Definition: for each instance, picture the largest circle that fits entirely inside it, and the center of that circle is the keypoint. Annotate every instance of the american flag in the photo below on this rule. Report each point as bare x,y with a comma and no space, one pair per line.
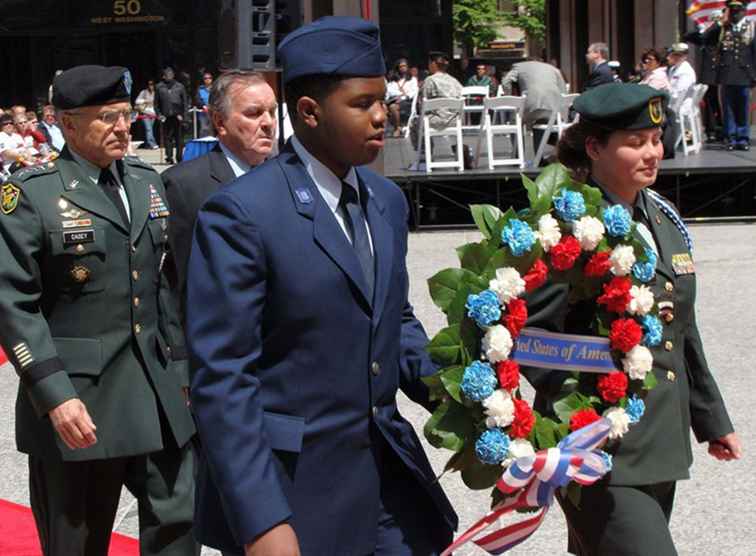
701,11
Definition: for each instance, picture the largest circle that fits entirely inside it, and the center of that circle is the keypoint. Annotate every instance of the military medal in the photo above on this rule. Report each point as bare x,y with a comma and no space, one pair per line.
682,263
73,213
10,194
158,208
80,274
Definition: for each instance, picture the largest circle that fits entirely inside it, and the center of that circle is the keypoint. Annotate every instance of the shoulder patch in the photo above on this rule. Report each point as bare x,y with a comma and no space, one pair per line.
9,196
32,171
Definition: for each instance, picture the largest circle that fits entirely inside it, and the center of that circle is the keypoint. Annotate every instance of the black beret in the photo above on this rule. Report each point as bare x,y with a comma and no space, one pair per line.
333,45
91,86
623,106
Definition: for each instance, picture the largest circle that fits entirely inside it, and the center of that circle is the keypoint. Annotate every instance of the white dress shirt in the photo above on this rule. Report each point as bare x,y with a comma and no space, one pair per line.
239,166
329,185
681,78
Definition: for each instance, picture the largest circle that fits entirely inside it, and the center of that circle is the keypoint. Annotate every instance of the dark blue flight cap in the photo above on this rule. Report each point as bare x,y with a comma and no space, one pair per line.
333,45
91,86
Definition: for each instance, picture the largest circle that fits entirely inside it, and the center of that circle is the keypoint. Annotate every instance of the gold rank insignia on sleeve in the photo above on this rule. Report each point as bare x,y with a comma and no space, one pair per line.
10,195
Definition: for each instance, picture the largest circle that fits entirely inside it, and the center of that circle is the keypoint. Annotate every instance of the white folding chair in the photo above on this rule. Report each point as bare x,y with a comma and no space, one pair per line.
412,116
473,105
686,114
453,130
506,106
563,120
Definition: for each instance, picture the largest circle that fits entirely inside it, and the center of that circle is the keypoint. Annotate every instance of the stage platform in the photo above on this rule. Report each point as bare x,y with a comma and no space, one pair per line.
712,184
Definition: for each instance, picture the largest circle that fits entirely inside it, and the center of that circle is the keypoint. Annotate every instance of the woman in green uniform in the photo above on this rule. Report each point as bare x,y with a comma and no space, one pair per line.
617,147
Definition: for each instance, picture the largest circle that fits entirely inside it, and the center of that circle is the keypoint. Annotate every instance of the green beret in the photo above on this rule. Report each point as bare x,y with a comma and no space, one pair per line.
91,86
734,4
623,106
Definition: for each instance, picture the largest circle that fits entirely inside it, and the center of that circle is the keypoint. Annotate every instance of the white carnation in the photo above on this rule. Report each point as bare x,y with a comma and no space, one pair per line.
518,448
499,408
548,232
497,343
508,284
622,260
637,362
642,300
619,420
589,231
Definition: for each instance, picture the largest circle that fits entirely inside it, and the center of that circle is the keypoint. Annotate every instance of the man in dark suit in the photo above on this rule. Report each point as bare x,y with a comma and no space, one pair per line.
301,332
88,322
242,108
171,105
597,57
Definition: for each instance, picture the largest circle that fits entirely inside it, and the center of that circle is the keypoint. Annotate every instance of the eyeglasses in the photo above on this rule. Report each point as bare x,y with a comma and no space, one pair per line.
111,117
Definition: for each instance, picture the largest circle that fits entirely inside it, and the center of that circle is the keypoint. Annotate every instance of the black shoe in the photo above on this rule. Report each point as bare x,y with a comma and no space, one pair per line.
743,147
730,146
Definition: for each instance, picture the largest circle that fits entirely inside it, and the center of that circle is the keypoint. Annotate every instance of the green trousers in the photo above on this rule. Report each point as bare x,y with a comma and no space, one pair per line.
75,503
621,520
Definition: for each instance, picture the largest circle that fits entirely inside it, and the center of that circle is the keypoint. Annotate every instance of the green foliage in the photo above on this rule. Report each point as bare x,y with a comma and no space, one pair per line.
474,22
530,16
449,427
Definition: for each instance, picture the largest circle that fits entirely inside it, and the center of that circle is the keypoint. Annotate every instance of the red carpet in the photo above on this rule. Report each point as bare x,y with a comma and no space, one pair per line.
18,535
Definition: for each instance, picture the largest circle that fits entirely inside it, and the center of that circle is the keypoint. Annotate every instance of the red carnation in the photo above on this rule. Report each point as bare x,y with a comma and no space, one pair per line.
516,316
523,420
598,265
616,294
625,334
582,418
565,253
509,374
613,386
536,276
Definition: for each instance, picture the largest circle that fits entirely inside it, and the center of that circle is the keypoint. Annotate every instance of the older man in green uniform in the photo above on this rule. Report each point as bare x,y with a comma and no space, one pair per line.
618,142
89,325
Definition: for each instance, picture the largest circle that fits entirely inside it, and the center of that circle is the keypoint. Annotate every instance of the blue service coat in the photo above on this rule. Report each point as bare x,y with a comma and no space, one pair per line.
294,366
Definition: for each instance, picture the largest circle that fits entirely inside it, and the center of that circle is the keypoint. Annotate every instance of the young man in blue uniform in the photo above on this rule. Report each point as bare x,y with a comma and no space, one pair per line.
301,332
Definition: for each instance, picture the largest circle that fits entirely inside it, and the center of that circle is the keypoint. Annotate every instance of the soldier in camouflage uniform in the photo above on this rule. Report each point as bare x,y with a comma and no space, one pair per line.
89,325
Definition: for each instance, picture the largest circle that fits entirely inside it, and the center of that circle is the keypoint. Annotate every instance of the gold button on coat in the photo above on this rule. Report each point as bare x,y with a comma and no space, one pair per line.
79,248
135,274
137,328
669,286
671,376
136,302
669,346
375,368
668,317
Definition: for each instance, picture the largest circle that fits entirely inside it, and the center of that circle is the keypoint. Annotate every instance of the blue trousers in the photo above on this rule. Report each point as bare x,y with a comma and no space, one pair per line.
149,136
737,100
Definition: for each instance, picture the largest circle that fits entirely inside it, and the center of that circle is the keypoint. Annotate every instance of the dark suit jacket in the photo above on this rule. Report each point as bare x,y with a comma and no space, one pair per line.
600,75
295,370
657,449
188,185
85,311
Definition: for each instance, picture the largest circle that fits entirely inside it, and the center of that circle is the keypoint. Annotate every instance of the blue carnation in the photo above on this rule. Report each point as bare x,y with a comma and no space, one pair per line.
484,307
570,205
518,236
479,381
617,221
492,446
652,327
645,272
635,409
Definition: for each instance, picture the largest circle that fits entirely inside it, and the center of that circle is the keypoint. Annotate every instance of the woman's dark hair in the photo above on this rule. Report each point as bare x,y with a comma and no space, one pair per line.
399,62
571,147
393,75
440,58
652,53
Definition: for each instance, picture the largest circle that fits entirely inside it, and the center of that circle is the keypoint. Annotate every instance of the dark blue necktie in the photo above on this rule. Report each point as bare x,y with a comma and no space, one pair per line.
356,225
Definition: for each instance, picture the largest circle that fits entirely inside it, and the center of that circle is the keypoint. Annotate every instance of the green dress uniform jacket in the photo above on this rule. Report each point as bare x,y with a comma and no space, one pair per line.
85,310
657,449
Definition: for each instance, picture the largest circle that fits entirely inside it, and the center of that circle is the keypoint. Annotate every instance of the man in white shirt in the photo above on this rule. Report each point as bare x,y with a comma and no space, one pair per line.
681,74
11,143
242,109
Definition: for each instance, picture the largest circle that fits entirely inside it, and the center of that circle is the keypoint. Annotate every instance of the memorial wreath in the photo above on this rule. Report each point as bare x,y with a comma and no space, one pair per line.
564,236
